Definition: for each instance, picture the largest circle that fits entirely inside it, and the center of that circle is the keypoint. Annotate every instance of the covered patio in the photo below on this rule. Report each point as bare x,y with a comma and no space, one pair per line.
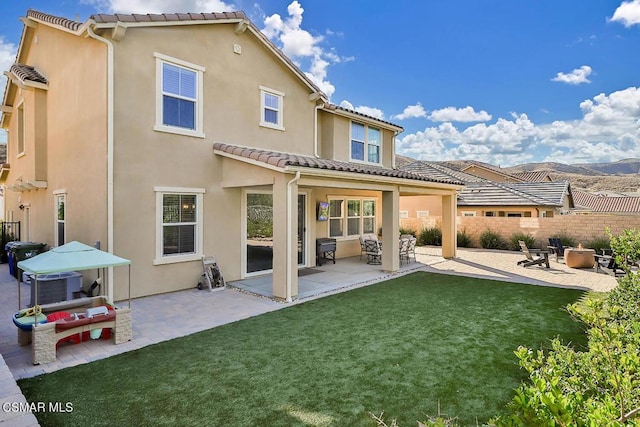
288,189
327,279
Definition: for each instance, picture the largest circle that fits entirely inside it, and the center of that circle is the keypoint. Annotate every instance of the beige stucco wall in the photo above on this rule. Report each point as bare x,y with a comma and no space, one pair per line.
335,132
67,147
146,158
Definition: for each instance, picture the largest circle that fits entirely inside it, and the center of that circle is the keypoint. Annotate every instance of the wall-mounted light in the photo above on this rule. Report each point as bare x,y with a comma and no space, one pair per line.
21,207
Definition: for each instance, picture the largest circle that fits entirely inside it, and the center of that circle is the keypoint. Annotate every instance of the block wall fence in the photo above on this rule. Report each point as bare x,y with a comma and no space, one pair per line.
582,228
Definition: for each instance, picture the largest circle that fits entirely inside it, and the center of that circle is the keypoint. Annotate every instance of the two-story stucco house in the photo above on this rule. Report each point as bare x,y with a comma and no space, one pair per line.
170,137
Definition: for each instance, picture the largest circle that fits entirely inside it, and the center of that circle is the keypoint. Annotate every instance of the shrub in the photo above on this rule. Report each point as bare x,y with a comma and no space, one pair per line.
464,240
528,239
567,241
598,243
430,236
492,240
408,231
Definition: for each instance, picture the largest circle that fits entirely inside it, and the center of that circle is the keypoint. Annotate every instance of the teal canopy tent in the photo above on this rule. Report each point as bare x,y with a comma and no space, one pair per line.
70,257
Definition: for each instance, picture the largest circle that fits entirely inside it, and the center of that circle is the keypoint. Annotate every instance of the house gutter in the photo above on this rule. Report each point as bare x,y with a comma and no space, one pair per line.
289,234
110,209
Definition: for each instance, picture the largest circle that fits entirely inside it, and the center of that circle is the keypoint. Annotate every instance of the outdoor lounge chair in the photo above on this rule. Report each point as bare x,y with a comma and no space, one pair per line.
403,250
556,247
373,251
542,257
608,264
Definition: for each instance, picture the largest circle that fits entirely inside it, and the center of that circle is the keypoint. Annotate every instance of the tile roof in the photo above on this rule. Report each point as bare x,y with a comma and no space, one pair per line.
439,170
283,160
27,72
596,203
333,107
166,17
533,176
492,168
55,20
489,193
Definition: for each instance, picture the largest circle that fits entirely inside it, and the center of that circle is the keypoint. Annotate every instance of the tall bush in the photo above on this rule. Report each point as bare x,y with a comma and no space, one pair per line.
464,240
430,236
491,240
528,239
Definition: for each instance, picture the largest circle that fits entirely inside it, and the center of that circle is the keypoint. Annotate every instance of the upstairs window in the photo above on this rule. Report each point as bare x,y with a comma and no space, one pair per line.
179,103
365,143
271,107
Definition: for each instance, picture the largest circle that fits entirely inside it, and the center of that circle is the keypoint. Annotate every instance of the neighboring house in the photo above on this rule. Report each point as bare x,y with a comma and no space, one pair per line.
483,197
165,138
587,203
533,176
491,173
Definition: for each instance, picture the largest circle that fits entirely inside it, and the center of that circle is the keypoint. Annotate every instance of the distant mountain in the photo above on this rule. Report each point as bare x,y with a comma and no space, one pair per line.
553,167
622,176
622,167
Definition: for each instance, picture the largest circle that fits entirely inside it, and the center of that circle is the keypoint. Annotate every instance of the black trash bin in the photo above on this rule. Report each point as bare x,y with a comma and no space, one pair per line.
22,251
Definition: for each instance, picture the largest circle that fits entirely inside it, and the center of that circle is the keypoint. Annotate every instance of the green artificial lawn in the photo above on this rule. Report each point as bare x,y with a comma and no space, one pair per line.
400,346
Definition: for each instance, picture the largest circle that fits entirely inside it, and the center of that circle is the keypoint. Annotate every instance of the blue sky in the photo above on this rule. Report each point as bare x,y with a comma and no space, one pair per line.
501,81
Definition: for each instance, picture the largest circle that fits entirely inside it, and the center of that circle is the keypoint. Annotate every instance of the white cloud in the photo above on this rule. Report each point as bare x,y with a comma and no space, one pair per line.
628,13
609,129
576,77
160,6
411,112
8,53
452,114
299,44
369,111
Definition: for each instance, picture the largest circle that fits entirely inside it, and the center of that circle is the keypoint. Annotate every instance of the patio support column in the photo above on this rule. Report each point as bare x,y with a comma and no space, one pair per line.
449,227
285,263
390,230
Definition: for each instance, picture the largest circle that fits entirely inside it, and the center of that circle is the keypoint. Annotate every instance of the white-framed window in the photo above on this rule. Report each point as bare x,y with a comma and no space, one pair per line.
404,214
179,96
179,233
271,108
422,214
21,131
351,216
468,213
60,216
365,143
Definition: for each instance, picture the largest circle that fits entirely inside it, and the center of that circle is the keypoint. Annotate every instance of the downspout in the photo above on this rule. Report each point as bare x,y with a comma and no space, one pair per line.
109,153
315,130
289,234
393,154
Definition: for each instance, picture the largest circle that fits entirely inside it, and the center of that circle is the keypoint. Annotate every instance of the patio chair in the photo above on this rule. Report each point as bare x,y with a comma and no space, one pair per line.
608,264
542,257
555,246
412,248
373,251
362,240
403,250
